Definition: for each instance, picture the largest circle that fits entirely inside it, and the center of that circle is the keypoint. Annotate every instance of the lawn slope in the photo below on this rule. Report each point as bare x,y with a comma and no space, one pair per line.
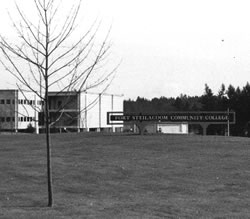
126,176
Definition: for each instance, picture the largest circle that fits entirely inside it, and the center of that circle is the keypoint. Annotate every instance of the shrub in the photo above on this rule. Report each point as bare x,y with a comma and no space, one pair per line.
30,129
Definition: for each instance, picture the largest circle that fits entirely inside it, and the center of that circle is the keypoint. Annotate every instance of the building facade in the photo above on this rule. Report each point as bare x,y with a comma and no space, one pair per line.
82,111
64,111
94,111
161,127
18,110
68,111
173,128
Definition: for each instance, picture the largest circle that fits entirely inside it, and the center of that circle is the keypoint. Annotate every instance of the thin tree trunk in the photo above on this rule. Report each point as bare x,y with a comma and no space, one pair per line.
47,117
49,168
45,51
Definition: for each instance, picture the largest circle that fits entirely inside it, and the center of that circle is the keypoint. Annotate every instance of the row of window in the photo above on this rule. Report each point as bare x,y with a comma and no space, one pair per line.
21,101
26,119
8,101
20,119
7,119
26,102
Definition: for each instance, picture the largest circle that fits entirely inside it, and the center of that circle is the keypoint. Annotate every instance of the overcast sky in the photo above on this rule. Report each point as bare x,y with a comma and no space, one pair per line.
169,47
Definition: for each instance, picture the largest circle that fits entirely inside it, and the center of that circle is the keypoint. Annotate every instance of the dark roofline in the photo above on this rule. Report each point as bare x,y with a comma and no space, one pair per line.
8,90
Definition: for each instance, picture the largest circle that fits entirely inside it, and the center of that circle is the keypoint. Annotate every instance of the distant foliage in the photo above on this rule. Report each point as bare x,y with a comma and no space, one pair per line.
235,99
30,129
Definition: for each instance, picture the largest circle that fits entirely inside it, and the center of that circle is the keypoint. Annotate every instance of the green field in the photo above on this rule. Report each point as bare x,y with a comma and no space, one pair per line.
126,176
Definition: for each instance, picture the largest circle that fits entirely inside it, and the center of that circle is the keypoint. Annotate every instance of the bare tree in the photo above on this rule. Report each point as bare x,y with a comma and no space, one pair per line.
48,55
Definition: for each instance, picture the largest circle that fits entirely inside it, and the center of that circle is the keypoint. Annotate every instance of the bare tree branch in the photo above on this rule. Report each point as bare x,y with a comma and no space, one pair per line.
50,57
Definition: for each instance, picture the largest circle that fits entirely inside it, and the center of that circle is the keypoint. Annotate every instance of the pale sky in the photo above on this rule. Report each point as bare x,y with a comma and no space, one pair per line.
169,47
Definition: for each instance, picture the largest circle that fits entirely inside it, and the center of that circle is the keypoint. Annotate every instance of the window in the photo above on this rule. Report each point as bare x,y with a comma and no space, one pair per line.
22,101
59,104
25,119
13,119
25,102
21,119
13,101
8,119
2,119
40,102
8,101
29,119
2,101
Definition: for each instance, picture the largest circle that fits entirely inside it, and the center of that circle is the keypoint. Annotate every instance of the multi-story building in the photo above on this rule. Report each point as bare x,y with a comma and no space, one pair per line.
83,111
64,111
18,110
67,111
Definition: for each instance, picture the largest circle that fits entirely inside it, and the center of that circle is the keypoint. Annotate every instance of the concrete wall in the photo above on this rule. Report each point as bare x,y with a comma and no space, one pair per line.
27,108
8,111
95,107
17,109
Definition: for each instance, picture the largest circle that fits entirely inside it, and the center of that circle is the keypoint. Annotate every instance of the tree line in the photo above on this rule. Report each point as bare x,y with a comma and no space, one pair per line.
235,99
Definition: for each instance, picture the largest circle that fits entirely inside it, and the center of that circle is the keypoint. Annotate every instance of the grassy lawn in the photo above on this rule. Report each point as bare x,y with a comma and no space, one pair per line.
126,176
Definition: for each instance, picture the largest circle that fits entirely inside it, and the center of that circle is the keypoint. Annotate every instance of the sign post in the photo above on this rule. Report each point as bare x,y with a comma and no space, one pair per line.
228,124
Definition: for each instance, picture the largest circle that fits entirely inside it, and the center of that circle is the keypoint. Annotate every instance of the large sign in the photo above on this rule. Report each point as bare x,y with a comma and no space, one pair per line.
190,117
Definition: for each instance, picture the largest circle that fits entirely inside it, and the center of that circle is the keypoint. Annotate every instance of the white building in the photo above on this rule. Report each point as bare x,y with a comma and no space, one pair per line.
68,110
83,111
173,128
18,110
95,107
164,127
